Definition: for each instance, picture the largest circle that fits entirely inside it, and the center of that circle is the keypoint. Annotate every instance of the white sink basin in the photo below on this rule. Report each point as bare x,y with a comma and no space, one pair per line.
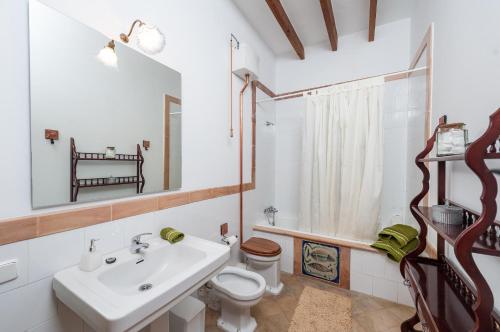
110,299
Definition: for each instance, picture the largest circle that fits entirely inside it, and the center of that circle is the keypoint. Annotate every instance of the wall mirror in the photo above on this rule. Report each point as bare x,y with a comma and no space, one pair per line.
98,132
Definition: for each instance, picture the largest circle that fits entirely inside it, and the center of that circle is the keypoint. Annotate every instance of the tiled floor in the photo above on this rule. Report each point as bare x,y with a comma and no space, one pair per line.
274,313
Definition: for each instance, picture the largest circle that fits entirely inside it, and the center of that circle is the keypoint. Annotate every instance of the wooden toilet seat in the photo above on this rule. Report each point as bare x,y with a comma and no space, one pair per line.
261,247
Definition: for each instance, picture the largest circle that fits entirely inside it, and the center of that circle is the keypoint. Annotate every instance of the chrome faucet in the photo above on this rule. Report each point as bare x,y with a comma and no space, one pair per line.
136,245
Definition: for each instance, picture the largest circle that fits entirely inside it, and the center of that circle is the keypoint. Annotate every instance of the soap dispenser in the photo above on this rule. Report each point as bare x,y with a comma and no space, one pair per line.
92,259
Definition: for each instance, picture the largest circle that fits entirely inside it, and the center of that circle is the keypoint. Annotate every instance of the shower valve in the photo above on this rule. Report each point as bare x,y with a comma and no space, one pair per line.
270,210
270,213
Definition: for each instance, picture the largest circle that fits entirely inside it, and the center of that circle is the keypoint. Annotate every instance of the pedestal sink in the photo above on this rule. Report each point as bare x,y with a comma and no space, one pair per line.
129,294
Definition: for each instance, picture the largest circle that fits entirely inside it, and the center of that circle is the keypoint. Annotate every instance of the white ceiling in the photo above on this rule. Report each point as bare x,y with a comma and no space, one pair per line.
307,19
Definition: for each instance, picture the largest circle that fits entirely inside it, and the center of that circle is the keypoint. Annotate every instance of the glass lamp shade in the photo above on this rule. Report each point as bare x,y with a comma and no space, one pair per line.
108,57
150,39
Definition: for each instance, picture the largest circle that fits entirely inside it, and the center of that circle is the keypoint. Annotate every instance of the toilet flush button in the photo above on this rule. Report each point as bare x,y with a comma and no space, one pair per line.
8,270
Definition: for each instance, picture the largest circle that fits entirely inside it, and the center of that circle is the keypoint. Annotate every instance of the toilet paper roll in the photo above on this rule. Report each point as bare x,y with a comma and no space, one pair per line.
230,240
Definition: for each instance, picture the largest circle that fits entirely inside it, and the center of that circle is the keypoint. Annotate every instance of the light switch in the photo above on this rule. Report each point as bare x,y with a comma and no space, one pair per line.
8,271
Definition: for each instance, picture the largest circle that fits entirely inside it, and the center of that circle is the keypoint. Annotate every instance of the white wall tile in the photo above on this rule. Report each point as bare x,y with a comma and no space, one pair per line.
391,270
110,236
385,289
52,325
287,263
357,260
373,264
27,307
369,263
362,283
52,253
42,301
18,251
65,321
404,296
146,223
13,310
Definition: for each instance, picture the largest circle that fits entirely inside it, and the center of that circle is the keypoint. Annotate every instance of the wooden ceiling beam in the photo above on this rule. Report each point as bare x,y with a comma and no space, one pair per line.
331,27
326,7
372,20
283,20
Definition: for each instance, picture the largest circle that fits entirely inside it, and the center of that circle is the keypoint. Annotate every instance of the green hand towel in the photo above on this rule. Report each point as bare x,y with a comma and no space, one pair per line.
393,249
401,233
171,235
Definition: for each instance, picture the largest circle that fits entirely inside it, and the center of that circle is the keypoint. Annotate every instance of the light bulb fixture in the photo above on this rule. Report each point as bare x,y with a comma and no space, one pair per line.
149,38
107,55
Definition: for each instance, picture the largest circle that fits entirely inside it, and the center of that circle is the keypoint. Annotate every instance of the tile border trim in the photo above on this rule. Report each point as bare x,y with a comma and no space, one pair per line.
38,225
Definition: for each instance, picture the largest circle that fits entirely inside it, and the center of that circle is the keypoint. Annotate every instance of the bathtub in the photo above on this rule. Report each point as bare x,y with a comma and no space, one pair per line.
289,227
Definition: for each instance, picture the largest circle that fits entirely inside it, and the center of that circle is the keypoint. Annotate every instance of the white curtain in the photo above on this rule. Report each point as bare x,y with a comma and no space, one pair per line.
342,160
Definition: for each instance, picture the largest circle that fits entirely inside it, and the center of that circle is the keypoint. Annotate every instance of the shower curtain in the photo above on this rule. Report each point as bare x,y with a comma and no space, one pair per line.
342,160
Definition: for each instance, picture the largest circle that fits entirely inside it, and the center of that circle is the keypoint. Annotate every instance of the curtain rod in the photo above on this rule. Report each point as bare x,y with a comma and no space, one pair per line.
299,93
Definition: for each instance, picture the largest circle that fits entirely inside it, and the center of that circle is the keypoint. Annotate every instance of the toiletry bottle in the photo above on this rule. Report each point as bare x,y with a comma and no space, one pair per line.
92,259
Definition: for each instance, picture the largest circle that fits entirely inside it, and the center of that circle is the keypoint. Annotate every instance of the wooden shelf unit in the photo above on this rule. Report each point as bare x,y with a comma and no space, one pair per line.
488,243
76,184
101,182
444,298
438,296
102,156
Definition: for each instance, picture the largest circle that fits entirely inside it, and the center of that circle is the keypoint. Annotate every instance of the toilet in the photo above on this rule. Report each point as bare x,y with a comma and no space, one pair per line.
238,290
263,257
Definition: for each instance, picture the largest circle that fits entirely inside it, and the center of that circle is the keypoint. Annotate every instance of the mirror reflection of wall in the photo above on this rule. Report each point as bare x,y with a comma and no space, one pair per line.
99,106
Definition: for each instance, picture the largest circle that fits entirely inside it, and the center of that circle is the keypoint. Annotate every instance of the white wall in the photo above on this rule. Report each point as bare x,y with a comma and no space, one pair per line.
197,35
466,82
355,58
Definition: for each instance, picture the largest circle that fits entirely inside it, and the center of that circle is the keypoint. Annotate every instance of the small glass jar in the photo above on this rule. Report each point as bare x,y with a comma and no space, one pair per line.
110,152
451,139
109,180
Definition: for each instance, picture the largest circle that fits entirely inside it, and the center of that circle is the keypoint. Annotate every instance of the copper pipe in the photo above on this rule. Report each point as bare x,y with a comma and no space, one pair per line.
387,77
231,130
247,81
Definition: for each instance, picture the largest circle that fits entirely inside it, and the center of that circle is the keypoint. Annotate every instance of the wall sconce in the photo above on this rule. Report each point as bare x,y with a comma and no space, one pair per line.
149,39
51,134
108,55
146,145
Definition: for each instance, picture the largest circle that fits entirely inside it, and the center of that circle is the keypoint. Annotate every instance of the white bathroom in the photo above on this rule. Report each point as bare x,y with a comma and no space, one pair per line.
232,165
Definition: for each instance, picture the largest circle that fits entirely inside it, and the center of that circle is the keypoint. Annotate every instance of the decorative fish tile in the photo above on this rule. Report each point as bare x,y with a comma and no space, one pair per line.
321,261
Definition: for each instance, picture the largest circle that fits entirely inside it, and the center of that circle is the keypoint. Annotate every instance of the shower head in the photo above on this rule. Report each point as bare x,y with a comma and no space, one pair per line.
267,123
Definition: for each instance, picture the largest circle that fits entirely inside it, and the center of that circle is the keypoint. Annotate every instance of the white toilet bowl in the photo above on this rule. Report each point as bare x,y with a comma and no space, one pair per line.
238,291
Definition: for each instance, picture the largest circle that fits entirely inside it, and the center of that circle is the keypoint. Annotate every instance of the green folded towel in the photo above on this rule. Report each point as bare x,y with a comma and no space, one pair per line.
393,249
403,234
171,235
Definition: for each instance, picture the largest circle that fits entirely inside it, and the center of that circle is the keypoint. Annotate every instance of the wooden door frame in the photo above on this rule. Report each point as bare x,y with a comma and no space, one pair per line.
166,138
